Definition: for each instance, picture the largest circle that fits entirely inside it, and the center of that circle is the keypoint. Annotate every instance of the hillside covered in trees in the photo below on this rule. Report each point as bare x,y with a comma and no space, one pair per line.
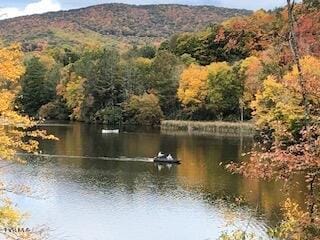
110,23
213,74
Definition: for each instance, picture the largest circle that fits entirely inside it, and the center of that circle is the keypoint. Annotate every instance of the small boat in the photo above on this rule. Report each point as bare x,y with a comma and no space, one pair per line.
110,131
165,158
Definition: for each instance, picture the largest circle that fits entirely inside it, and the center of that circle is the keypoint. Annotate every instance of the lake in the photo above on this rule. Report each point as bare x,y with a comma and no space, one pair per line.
97,186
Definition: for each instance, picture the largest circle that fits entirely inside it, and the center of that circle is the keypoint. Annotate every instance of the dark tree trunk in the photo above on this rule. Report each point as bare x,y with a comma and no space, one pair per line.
296,55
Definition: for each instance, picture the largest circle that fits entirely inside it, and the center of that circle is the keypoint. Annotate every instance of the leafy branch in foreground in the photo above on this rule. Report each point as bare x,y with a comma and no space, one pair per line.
287,116
289,144
17,132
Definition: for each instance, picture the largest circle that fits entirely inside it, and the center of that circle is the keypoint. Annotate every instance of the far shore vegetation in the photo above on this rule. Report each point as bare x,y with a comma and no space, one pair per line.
217,128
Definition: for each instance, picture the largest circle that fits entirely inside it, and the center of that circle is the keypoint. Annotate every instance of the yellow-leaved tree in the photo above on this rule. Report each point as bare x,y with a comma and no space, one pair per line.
15,133
71,88
276,106
311,73
193,86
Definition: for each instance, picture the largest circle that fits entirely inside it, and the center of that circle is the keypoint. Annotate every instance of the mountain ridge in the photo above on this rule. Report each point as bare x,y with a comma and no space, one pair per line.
125,4
117,21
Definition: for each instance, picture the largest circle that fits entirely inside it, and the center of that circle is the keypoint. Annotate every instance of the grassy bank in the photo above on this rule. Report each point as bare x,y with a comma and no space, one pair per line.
215,128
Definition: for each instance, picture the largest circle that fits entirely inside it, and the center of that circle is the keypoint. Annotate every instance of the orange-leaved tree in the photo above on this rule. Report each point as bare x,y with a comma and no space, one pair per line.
252,67
287,116
289,143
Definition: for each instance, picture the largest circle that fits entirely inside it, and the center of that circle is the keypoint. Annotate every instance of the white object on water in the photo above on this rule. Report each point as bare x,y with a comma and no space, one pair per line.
160,154
169,157
110,131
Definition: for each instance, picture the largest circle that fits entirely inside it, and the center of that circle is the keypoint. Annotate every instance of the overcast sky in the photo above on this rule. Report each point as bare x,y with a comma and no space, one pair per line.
13,8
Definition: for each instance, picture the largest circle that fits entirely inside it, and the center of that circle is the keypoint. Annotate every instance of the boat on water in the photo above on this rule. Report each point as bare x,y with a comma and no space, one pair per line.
106,131
165,158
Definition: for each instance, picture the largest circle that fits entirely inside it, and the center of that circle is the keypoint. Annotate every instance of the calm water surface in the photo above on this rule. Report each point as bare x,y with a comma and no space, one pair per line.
127,197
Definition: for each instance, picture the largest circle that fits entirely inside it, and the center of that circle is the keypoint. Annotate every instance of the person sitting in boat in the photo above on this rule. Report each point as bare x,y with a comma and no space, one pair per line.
169,157
160,155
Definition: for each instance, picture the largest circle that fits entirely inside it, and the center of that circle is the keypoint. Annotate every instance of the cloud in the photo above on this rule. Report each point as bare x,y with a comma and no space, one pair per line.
41,6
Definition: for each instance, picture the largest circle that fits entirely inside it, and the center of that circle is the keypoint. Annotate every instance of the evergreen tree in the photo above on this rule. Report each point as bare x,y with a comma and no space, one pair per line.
165,81
106,87
35,92
104,84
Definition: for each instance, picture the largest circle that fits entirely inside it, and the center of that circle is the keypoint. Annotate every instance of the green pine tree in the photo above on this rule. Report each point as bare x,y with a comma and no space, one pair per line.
35,92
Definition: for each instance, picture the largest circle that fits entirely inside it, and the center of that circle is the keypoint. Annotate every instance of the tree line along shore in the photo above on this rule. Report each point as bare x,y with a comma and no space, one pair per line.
230,71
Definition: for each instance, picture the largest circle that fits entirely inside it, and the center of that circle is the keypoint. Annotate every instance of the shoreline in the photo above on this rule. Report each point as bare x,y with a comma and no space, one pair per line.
178,127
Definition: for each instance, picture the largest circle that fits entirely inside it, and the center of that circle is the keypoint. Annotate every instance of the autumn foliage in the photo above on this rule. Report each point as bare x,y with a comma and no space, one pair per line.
311,73
15,130
289,139
193,86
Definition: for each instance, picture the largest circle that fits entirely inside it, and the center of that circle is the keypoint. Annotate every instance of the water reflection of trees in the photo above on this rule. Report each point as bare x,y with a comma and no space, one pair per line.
202,169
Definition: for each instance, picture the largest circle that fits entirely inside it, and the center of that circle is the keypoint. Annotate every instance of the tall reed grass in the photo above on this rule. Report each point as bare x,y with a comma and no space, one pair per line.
215,128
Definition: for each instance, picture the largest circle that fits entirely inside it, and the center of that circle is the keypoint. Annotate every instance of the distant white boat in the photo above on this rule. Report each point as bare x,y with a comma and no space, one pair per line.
110,131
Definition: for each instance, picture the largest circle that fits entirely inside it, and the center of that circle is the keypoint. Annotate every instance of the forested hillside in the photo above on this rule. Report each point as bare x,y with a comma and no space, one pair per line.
112,22
215,73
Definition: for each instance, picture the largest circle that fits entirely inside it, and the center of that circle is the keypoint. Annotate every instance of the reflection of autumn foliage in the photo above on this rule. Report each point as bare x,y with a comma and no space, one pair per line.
282,163
194,169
